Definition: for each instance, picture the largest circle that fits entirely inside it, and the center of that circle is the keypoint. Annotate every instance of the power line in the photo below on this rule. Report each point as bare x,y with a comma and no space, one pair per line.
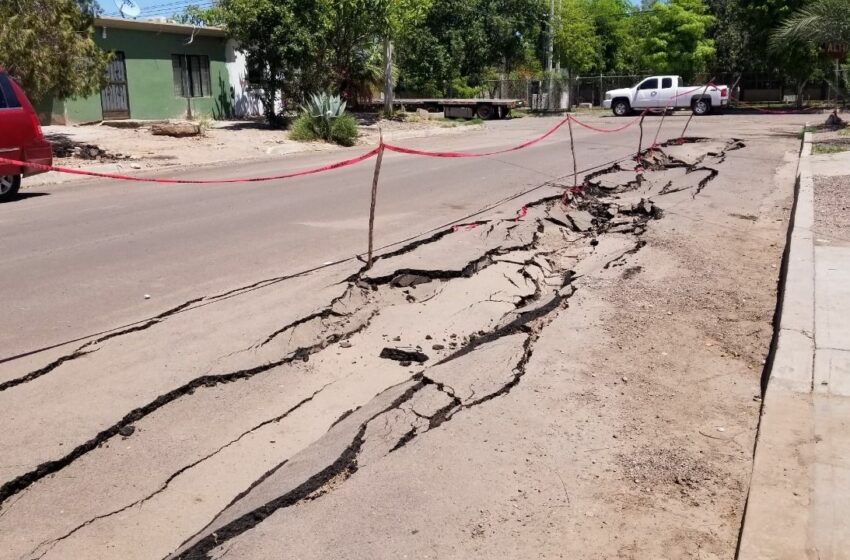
169,8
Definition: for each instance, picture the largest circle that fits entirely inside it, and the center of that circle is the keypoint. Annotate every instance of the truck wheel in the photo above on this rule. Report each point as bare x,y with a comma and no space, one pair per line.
701,107
484,112
9,185
621,108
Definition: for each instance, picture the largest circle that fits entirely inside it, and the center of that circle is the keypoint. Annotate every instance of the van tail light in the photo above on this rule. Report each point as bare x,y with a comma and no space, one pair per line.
724,92
36,126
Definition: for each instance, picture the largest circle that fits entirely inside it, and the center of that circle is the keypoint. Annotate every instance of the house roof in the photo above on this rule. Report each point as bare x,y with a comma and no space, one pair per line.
158,26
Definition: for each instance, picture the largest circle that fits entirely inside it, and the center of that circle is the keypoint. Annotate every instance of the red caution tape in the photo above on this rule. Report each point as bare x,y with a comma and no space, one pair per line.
315,170
414,152
781,111
465,227
119,177
608,130
523,212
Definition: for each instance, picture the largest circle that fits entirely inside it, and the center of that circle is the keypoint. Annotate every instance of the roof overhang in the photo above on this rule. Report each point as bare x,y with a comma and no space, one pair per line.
158,27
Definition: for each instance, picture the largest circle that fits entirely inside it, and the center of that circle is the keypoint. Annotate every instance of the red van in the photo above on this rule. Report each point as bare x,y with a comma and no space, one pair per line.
21,138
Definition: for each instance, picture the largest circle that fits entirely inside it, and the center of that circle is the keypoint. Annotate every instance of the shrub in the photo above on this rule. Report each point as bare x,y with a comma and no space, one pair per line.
344,130
324,118
302,129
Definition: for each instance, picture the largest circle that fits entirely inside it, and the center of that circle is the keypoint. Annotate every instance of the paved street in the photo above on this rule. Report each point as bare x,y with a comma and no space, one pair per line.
573,377
81,260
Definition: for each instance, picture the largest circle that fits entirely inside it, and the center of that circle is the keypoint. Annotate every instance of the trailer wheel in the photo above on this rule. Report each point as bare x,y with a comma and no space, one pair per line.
484,112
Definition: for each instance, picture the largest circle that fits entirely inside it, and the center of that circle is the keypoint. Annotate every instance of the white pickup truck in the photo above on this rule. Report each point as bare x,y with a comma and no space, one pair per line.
666,92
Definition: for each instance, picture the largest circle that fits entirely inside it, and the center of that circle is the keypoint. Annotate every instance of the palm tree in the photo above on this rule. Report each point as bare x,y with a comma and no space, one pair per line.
824,23
821,22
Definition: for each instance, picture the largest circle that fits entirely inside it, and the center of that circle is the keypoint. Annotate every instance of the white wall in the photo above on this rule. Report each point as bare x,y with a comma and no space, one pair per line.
246,102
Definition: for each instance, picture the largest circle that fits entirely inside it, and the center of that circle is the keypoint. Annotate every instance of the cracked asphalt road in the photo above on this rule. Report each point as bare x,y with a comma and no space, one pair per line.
571,377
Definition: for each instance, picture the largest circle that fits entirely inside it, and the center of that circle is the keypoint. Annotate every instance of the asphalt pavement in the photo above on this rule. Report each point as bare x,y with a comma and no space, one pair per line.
81,258
552,377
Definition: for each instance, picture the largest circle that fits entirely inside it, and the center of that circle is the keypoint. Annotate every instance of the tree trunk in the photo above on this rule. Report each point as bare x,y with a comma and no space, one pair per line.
389,95
270,97
801,87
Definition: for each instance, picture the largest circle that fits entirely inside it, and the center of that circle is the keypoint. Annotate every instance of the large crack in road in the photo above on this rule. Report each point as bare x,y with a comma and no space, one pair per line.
552,246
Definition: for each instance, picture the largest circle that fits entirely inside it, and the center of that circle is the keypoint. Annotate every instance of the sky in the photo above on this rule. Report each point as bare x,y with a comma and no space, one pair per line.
152,8
165,8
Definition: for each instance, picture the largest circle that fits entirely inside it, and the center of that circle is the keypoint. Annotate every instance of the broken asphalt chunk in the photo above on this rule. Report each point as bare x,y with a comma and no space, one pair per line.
581,220
403,355
408,280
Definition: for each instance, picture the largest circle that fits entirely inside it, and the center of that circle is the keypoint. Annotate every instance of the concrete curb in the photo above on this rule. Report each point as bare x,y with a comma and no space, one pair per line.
776,521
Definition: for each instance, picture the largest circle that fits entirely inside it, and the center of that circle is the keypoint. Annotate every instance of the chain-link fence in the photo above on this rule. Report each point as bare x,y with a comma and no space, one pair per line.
538,94
535,92
747,87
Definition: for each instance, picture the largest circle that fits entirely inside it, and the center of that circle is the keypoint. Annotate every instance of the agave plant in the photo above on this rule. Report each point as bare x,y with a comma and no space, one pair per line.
325,106
322,108
323,117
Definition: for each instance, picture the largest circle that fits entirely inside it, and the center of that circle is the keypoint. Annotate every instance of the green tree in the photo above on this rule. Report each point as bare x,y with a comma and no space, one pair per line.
796,62
611,21
730,35
397,18
348,38
283,46
459,44
577,44
48,46
672,37
820,22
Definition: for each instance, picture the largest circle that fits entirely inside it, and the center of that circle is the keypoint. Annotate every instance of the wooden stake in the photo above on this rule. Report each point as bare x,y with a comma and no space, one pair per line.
658,132
688,122
374,198
573,148
640,140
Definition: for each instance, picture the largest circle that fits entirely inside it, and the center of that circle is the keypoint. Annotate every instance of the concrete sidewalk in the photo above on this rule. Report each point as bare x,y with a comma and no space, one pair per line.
799,502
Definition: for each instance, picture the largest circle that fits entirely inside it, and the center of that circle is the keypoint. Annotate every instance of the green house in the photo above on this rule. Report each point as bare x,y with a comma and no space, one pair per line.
159,70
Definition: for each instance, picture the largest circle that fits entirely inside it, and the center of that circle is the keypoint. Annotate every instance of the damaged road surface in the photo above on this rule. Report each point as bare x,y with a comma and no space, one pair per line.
574,382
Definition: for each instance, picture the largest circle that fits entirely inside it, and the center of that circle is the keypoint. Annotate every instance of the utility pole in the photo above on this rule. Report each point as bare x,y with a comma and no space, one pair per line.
549,62
389,94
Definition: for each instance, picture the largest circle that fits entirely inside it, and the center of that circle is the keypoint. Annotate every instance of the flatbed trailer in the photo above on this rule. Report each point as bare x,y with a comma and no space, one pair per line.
459,108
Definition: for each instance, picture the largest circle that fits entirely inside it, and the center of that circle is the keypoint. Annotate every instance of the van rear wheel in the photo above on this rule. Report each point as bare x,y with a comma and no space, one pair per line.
9,185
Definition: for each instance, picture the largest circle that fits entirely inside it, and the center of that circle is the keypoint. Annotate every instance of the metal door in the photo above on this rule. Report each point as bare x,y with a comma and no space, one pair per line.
647,94
114,99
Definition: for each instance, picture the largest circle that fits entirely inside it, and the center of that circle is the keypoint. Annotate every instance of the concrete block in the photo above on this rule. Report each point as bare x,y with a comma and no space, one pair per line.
776,523
798,307
832,297
832,373
829,525
793,367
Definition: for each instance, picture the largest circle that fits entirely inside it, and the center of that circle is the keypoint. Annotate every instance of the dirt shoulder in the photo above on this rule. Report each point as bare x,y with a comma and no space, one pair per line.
110,149
581,381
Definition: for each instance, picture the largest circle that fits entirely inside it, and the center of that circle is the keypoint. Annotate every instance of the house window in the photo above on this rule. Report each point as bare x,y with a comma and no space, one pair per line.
191,75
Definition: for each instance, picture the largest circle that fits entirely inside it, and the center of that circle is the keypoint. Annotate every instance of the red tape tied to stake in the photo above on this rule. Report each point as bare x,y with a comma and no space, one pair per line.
607,130
413,152
313,171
